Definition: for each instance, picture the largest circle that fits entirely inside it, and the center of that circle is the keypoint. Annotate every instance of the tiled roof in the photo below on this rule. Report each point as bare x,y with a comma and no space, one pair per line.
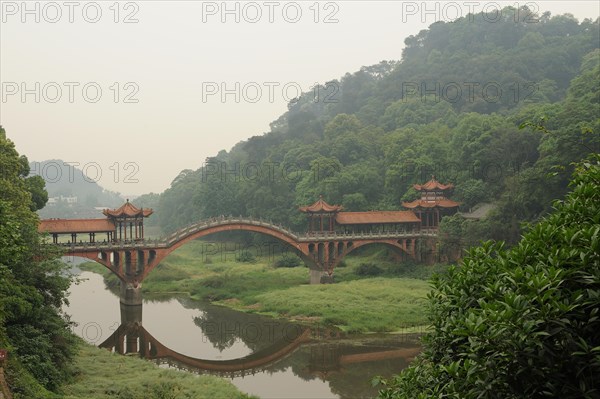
442,203
76,226
321,206
377,217
128,210
432,185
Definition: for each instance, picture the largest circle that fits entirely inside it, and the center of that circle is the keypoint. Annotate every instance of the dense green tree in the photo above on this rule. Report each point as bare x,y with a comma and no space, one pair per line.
32,286
471,192
152,201
39,196
355,202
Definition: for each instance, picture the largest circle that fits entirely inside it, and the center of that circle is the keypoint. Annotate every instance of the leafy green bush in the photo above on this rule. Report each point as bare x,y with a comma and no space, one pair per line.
410,269
246,257
214,282
368,269
403,268
288,261
522,323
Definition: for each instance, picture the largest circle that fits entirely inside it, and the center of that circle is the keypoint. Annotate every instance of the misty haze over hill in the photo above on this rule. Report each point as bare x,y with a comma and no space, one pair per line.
71,193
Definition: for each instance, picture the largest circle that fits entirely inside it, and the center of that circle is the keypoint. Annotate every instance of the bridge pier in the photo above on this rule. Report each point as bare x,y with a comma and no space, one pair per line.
318,276
131,314
131,294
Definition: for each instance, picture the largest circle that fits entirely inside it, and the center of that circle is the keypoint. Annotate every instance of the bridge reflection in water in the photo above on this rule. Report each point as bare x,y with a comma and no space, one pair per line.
329,351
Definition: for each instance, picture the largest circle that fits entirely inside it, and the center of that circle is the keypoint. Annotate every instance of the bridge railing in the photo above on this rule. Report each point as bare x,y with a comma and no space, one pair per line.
325,235
109,245
220,221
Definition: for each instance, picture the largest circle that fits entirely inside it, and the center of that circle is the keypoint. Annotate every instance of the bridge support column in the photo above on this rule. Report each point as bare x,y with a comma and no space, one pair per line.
320,277
131,295
131,314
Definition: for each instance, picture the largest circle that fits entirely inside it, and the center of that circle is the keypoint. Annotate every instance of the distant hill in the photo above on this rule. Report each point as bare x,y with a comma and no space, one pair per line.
71,193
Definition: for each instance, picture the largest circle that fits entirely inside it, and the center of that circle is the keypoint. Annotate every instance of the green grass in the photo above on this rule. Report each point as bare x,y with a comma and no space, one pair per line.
102,374
208,277
368,305
391,301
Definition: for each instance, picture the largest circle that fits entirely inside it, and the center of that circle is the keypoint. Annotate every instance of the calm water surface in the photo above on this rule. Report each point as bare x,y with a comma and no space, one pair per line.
261,356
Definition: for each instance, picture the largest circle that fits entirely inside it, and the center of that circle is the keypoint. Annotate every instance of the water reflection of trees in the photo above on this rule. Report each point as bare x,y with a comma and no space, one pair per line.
321,361
223,327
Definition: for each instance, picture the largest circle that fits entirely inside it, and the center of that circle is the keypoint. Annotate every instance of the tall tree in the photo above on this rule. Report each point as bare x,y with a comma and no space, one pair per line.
32,287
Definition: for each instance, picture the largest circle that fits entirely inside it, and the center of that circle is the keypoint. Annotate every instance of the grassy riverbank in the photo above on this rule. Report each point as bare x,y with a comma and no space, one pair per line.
368,305
371,294
102,374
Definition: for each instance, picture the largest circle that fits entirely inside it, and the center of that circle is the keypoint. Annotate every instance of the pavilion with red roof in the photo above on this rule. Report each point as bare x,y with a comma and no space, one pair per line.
423,213
124,223
328,218
128,217
433,204
321,215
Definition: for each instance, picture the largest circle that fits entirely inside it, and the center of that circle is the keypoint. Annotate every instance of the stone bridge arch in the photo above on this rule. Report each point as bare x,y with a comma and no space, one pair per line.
185,235
132,262
327,254
404,247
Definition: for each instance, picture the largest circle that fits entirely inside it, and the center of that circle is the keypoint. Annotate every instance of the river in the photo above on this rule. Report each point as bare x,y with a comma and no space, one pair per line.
261,356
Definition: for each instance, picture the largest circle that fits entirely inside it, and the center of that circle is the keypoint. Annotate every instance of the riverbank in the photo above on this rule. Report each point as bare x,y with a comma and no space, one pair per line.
101,374
372,293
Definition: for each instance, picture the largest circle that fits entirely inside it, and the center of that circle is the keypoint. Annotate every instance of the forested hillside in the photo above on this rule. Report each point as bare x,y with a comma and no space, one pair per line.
451,107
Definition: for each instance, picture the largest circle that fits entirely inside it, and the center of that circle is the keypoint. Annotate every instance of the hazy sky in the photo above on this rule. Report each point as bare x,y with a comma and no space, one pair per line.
137,91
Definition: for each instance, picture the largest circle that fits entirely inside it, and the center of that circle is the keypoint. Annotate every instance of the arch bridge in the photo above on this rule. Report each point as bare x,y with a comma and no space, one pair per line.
331,236
132,261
